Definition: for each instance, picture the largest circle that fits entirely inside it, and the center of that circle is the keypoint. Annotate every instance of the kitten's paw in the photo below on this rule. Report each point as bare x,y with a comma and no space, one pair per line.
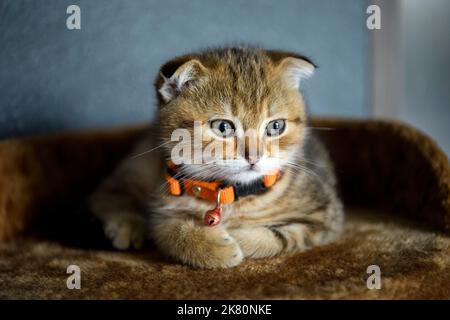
125,231
215,248
202,247
258,243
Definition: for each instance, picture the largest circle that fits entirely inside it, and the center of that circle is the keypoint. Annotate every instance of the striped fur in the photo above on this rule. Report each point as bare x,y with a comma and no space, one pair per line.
301,211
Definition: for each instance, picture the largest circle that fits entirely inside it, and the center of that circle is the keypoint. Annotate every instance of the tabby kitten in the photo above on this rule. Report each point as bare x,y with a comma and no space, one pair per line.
227,92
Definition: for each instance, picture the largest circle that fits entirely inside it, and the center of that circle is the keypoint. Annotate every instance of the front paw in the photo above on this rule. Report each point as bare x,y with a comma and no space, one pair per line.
205,247
213,247
125,231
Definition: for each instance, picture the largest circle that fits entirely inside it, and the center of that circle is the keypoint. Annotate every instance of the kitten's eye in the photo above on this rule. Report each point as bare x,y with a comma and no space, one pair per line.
223,128
275,127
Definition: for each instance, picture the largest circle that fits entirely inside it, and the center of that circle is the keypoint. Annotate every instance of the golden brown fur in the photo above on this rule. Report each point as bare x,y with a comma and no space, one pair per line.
381,165
251,87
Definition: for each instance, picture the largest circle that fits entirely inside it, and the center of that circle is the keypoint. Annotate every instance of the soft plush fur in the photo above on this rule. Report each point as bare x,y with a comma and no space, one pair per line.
387,168
248,90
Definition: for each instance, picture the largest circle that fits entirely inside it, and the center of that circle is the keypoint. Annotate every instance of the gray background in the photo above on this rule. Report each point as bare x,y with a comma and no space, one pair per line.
54,79
426,67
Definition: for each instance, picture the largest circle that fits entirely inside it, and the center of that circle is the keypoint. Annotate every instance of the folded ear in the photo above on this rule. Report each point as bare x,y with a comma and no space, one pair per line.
292,67
176,75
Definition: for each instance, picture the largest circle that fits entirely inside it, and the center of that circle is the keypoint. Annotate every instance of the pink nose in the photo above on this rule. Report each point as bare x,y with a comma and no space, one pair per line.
252,160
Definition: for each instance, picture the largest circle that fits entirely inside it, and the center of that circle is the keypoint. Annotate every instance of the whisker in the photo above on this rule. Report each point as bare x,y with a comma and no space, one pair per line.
148,151
314,163
304,169
320,128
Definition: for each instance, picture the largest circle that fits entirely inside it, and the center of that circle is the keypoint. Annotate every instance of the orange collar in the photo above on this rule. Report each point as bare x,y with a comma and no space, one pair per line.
209,190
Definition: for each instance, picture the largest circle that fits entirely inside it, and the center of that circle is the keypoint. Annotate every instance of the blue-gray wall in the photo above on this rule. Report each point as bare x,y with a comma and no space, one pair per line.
426,100
53,79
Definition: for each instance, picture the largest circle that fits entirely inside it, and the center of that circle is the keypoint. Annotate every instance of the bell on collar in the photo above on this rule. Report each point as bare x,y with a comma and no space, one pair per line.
213,216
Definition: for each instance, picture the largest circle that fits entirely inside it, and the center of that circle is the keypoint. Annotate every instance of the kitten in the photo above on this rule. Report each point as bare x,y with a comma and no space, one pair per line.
228,91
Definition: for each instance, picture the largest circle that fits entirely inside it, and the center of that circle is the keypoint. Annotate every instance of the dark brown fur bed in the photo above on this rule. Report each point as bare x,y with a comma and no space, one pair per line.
394,180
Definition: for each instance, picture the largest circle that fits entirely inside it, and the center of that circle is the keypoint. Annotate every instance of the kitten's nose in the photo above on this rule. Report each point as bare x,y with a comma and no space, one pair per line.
252,160
252,149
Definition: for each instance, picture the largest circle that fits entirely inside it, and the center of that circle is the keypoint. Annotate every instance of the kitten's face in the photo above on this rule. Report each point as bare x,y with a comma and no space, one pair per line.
242,110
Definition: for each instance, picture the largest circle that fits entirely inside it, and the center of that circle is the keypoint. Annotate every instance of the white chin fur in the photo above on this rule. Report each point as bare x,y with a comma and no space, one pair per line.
245,176
237,170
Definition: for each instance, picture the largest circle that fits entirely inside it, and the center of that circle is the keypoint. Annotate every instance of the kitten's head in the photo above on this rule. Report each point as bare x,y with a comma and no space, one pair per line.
241,107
